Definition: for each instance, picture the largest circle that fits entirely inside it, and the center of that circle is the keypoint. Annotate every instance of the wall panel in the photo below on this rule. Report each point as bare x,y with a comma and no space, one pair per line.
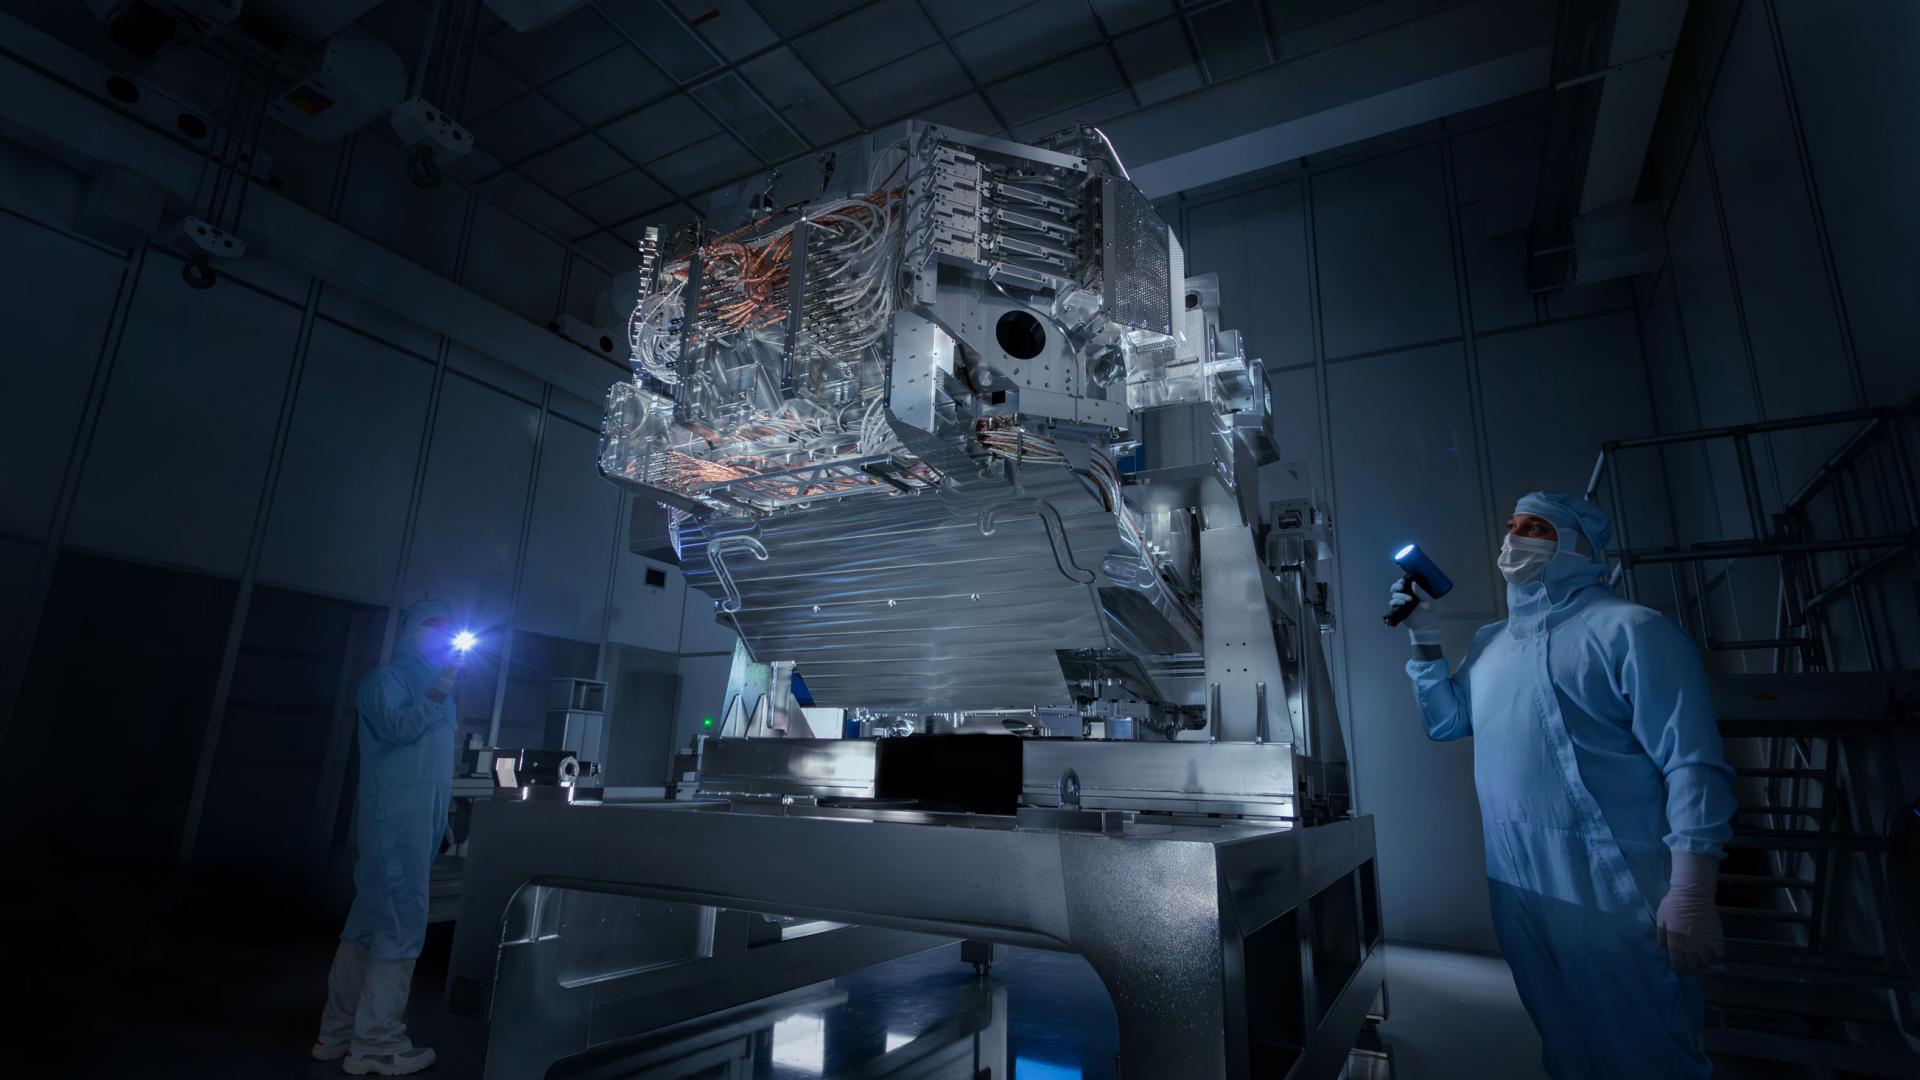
1421,484
55,326
1552,395
1257,243
644,615
18,561
512,264
1799,358
340,509
700,630
180,454
1381,239
1854,80
1494,175
570,538
467,534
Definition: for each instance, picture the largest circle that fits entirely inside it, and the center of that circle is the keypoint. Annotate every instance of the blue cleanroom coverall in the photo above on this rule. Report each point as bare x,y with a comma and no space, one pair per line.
1595,752
406,780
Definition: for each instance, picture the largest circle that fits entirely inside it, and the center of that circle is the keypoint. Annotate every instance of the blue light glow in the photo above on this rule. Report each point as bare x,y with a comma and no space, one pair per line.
1029,1069
1403,553
465,640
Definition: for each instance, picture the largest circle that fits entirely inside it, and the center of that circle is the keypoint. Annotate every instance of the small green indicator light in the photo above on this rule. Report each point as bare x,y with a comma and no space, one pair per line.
706,722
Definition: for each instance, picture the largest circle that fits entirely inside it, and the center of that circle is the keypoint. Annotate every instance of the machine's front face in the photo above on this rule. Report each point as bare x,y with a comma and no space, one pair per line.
965,454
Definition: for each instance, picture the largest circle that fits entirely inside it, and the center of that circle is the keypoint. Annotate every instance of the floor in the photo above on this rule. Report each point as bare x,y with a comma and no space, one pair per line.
1456,1014
223,999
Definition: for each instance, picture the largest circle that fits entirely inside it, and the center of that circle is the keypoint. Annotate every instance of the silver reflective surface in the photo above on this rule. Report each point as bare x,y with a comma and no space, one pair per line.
1249,779
903,602
1165,914
822,768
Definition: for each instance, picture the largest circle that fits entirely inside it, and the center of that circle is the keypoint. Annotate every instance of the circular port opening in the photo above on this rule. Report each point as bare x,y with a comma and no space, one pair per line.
192,126
123,90
1020,335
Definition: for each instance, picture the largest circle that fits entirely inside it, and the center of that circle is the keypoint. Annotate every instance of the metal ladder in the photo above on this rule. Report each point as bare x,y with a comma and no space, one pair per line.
1811,749
1800,984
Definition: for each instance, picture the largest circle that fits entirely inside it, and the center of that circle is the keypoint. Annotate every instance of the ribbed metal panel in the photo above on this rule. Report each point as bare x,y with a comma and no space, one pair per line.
902,603
1138,259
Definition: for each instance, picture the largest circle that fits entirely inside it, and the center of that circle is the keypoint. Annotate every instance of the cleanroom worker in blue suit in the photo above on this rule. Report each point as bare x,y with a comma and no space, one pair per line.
407,723
1604,796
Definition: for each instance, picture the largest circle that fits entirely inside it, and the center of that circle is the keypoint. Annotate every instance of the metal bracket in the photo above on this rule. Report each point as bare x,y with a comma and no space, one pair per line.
796,305
717,550
1056,534
689,319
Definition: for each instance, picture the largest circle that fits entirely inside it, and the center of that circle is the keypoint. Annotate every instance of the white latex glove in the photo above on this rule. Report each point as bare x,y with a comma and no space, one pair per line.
1423,626
1688,920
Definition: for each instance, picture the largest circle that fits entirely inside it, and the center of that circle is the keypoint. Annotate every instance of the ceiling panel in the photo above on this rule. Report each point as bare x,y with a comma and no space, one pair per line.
662,35
742,111
1066,82
607,86
554,49
732,27
1122,15
1156,60
1027,36
1232,39
922,78
660,128
1097,111
491,86
969,112
799,97
524,197
667,219
398,24
1285,15
706,164
867,39
611,251
574,165
621,197
795,15
528,124
474,164
957,15
766,82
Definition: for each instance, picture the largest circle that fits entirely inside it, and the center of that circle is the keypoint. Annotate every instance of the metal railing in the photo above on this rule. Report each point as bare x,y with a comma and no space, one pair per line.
1787,535
1804,846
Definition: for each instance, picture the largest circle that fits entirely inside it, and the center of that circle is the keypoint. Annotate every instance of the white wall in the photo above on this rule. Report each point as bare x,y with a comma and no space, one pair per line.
1385,289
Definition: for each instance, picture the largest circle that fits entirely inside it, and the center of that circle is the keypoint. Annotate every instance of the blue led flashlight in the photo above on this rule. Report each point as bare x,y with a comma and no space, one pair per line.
1420,572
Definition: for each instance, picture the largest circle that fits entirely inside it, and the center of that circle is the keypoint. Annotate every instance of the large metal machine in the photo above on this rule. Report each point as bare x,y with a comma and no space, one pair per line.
964,455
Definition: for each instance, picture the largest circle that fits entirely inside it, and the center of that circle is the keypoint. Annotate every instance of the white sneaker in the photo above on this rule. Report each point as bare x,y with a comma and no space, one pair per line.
326,1051
401,1064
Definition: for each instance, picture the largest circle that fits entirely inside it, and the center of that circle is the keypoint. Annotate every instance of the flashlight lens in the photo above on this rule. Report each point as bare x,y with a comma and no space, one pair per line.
1403,552
465,640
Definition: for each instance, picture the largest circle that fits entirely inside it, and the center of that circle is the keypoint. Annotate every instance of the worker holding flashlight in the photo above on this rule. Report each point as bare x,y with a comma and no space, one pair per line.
1605,795
407,723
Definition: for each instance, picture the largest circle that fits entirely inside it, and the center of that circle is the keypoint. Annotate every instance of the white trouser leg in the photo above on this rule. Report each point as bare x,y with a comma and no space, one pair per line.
344,984
376,1023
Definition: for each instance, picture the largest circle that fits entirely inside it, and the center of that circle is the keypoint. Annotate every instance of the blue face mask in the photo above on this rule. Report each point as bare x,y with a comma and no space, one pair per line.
1523,558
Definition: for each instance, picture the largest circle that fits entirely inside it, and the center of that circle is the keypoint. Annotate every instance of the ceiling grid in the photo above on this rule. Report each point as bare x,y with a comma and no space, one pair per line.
623,113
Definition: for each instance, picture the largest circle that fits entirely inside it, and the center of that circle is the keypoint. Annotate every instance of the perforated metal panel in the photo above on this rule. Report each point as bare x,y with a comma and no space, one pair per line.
1137,259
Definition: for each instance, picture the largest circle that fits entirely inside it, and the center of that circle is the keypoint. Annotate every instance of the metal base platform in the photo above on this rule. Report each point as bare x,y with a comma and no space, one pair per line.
1228,951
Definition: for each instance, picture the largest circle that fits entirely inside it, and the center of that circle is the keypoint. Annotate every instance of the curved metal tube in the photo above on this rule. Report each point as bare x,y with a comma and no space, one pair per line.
1056,534
717,549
